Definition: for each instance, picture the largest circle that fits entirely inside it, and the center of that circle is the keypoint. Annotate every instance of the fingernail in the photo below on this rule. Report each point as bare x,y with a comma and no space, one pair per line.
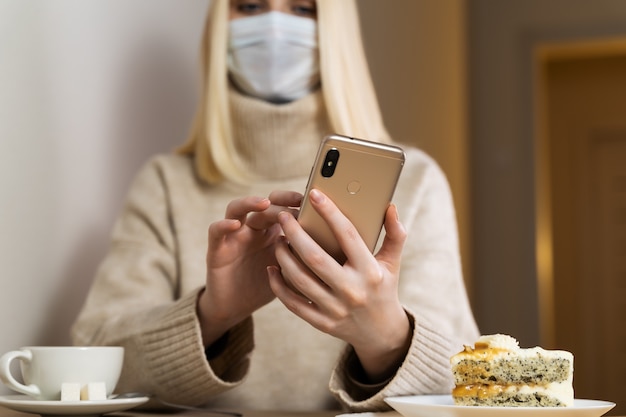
283,216
395,208
316,196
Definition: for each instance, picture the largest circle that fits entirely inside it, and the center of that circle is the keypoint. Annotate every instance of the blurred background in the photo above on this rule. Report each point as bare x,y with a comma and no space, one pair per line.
522,102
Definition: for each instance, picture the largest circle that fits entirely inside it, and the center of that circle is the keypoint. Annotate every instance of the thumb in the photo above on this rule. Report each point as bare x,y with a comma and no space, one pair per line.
395,236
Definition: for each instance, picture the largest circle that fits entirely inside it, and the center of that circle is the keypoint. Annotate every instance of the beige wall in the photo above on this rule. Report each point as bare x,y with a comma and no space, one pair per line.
88,90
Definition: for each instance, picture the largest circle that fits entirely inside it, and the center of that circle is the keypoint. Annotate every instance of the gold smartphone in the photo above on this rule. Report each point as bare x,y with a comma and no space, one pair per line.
360,177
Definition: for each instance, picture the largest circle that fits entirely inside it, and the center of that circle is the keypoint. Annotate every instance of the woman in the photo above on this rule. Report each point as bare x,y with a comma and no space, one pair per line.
255,326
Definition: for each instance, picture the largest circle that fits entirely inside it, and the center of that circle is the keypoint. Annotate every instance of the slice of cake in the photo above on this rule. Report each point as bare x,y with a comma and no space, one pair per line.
496,372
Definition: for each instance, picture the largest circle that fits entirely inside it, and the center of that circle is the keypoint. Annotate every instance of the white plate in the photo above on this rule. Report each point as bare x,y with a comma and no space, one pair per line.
69,408
443,406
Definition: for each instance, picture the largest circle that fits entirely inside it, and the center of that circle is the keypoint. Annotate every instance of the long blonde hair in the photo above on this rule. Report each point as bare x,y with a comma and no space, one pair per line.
346,84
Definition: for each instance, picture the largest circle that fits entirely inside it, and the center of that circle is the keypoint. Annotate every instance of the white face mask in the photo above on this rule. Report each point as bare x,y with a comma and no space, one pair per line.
273,56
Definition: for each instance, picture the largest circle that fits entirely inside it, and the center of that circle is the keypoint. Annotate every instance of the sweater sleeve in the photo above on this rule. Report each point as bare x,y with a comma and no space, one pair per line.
432,291
135,302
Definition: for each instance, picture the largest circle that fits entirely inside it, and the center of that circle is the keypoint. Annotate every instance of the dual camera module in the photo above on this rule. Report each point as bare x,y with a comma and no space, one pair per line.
330,163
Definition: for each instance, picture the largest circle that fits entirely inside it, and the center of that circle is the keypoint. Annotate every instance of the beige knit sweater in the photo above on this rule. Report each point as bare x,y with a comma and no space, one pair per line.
144,294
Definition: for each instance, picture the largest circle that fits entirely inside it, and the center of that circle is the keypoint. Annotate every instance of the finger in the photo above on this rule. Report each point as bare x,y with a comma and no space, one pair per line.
307,309
307,250
395,236
238,209
280,201
298,276
267,218
295,302
285,198
218,230
346,234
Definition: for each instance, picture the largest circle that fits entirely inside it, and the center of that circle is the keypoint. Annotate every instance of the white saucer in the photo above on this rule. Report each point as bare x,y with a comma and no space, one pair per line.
26,404
443,406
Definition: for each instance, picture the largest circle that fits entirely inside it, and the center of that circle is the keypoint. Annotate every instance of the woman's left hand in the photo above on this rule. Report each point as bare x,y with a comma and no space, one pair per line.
357,301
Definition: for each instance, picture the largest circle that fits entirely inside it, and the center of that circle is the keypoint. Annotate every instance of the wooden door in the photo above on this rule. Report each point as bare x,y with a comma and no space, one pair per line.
584,150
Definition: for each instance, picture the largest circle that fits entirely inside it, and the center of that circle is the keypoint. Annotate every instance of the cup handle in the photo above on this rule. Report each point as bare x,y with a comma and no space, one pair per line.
7,377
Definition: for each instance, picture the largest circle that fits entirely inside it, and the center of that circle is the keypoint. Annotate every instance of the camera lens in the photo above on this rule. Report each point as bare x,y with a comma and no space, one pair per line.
330,163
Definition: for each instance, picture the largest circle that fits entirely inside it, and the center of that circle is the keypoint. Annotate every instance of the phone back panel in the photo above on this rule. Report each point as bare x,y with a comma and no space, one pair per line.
362,186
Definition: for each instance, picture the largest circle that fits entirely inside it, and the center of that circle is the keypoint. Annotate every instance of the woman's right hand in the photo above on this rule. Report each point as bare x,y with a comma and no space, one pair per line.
240,248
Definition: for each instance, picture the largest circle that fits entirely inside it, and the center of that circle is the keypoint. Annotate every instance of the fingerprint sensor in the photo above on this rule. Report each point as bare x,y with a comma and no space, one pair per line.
354,187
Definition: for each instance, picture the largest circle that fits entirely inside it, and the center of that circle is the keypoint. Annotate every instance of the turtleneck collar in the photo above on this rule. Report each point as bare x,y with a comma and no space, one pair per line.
278,141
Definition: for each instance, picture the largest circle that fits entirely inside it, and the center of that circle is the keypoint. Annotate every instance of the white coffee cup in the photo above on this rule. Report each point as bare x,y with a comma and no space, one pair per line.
46,368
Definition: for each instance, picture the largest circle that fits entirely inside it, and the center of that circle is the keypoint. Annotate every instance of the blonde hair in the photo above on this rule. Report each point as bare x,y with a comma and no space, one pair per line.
346,84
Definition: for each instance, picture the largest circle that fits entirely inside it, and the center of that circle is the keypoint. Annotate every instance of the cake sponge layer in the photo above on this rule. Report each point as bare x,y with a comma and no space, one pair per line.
554,395
512,369
511,400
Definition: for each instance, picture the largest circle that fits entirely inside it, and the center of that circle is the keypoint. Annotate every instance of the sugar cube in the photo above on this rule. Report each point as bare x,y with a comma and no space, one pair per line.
94,391
70,391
